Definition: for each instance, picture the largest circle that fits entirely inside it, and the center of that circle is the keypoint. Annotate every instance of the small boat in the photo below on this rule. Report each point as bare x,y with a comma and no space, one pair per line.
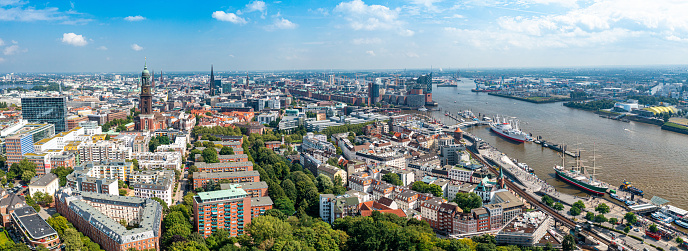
422,109
682,223
454,101
629,203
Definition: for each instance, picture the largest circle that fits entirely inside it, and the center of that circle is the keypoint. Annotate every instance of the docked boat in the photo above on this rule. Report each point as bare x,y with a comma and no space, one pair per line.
509,130
578,176
422,109
525,167
663,218
681,223
674,212
626,186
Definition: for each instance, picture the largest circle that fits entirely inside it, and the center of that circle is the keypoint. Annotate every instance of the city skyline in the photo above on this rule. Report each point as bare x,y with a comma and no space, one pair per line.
77,36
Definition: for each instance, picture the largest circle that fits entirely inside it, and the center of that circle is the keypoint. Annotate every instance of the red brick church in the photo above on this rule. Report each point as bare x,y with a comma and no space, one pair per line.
148,120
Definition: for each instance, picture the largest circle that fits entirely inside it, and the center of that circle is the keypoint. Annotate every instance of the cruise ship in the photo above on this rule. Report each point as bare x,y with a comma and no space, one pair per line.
509,130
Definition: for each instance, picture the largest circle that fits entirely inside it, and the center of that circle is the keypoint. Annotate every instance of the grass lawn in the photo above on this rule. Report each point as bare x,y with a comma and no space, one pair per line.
4,238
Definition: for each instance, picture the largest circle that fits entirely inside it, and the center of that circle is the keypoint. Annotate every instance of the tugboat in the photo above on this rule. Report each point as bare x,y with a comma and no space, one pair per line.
579,177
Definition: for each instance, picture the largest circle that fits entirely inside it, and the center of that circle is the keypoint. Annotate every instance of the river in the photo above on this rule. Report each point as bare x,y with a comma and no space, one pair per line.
652,159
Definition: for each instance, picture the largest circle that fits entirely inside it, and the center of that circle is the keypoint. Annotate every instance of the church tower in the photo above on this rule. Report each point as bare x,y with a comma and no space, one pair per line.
146,98
212,82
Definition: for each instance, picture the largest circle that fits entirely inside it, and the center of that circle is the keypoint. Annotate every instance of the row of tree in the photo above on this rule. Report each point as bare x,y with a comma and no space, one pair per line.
594,105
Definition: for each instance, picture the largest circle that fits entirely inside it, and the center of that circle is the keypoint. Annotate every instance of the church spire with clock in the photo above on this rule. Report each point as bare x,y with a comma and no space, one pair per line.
146,98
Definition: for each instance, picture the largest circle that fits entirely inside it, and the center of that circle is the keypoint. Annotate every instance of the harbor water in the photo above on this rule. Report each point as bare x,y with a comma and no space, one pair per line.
652,159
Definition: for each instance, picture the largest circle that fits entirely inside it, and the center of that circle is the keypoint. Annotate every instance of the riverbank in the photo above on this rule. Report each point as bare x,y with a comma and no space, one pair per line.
536,100
669,126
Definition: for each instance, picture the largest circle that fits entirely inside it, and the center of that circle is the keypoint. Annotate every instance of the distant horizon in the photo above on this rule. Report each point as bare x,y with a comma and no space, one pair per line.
257,36
434,70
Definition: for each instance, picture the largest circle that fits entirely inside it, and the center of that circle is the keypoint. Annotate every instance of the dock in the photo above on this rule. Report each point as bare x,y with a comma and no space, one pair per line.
554,146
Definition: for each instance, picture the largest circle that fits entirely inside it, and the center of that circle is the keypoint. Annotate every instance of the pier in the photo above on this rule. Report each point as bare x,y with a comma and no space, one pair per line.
527,194
554,146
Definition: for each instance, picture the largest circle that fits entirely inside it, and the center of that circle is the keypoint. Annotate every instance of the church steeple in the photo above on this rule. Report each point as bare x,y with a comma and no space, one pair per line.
212,82
146,98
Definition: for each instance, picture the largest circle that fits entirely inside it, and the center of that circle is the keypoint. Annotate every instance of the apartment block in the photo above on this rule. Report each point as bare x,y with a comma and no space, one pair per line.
228,209
98,216
153,184
225,167
254,189
200,179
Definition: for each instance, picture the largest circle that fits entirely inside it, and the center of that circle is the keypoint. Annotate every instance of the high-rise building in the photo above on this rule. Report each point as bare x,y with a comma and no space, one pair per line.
51,110
228,209
425,81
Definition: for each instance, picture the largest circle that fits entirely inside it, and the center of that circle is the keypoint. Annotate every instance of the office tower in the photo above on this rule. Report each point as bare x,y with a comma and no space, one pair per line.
51,110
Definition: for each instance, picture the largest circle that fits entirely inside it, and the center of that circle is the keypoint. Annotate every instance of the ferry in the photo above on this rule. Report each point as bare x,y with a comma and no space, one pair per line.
681,223
662,217
674,212
579,177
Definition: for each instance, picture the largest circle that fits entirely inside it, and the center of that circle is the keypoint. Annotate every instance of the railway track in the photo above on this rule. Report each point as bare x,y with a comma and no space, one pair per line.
537,203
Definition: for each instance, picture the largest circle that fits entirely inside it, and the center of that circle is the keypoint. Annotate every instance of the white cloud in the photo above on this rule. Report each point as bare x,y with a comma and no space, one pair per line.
12,49
371,53
134,18
283,24
361,16
359,41
74,39
228,17
2,60
457,16
2,42
412,55
406,33
596,23
321,11
15,10
256,6
231,55
136,47
428,4
102,48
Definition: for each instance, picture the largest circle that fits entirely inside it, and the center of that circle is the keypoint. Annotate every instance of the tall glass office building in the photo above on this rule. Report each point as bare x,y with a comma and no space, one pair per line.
51,110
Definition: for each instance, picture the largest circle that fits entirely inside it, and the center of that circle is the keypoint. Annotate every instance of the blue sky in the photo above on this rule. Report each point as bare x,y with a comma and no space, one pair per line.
115,36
